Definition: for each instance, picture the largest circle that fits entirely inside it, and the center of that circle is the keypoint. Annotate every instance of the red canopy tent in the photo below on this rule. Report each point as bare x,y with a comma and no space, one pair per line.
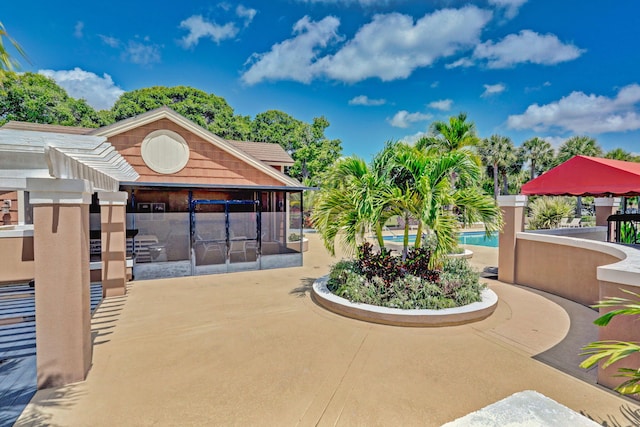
587,176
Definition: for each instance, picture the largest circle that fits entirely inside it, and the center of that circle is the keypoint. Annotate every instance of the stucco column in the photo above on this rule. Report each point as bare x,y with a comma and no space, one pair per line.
513,215
62,293
113,220
606,206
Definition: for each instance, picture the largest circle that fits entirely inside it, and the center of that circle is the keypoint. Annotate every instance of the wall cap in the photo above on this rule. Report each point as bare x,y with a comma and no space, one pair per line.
517,201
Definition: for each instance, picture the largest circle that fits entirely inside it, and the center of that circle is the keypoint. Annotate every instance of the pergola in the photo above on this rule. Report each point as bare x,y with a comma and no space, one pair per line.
61,172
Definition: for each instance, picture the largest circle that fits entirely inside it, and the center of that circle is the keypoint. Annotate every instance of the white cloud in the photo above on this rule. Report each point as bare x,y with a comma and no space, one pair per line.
140,53
389,47
462,62
442,105
199,28
392,46
99,92
412,139
490,90
434,84
582,113
555,141
293,59
246,13
526,46
365,100
510,7
403,118
109,41
349,2
78,30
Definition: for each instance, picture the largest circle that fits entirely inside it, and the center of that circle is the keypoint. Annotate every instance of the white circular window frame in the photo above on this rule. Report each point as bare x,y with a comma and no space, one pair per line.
165,151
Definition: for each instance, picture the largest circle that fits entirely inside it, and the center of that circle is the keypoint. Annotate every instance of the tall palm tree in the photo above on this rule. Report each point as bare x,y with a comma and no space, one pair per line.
448,136
7,62
539,153
578,145
498,152
620,154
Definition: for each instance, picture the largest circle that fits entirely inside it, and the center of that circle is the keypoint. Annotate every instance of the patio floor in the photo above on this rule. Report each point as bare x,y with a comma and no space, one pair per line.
252,348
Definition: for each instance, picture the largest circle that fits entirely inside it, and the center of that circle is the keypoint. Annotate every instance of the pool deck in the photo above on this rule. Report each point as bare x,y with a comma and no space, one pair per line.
252,348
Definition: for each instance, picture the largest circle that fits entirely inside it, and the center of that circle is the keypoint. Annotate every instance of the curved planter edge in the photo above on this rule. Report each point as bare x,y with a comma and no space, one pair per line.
393,316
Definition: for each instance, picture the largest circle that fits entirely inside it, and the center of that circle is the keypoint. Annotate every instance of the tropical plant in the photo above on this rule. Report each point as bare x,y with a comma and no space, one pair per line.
498,152
547,212
620,154
539,153
381,279
448,136
408,182
611,351
7,62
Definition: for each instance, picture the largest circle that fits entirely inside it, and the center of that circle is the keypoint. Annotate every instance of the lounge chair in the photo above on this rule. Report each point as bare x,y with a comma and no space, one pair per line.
564,222
575,223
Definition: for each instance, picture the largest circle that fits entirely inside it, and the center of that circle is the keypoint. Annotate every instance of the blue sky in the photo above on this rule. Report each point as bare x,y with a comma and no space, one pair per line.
377,69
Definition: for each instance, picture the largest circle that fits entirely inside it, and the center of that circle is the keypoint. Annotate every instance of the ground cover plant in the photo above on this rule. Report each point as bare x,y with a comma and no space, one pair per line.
384,279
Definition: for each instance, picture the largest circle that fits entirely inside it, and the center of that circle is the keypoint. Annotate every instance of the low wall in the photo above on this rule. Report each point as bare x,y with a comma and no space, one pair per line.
562,266
16,253
584,271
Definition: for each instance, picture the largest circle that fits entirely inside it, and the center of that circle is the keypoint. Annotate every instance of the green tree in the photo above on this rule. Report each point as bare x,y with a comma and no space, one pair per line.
351,202
406,181
499,153
307,144
539,153
578,146
448,136
35,98
7,62
207,110
620,154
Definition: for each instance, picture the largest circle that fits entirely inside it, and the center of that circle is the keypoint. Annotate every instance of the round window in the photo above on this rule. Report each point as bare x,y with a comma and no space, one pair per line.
165,151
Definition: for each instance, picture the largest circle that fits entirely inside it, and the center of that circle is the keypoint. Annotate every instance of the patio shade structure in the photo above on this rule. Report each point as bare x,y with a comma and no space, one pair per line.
587,176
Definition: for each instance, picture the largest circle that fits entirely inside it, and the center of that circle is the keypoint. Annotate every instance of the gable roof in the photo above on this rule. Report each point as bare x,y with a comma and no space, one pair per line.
587,176
267,152
223,144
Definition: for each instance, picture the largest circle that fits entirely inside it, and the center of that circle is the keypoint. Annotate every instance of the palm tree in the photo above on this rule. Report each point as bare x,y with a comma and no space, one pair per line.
351,202
539,153
405,181
498,152
620,154
448,136
6,61
610,352
578,146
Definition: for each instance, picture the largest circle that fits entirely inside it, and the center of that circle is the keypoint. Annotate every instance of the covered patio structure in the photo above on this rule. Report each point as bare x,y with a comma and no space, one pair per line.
579,269
60,173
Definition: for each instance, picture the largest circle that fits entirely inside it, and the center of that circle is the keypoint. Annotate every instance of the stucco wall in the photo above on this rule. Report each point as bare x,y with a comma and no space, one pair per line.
207,163
16,255
567,271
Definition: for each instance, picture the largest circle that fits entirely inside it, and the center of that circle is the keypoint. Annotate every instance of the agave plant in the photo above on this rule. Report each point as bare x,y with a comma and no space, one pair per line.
611,351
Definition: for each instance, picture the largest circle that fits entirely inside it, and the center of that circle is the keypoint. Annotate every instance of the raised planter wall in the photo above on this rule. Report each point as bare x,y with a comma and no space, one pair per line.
396,317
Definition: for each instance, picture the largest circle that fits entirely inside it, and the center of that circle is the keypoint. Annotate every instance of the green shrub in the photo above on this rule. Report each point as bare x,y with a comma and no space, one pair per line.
546,212
410,286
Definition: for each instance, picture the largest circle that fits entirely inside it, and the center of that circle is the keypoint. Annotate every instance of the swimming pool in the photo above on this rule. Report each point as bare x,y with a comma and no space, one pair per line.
477,238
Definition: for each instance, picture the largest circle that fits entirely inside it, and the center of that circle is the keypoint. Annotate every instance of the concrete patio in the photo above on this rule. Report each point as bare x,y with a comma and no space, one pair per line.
252,348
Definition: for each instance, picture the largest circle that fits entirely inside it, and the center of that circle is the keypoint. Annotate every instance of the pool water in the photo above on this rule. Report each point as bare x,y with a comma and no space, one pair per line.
476,238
